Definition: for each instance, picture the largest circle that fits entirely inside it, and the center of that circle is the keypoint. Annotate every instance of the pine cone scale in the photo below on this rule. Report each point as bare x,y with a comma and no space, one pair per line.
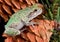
8,2
4,16
23,5
21,0
32,1
38,39
31,37
7,9
16,4
28,2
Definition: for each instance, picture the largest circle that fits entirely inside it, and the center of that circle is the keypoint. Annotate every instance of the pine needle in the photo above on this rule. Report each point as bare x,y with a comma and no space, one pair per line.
58,15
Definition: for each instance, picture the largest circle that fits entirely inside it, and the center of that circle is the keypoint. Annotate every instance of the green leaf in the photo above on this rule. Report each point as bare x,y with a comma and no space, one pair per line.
58,15
50,14
54,3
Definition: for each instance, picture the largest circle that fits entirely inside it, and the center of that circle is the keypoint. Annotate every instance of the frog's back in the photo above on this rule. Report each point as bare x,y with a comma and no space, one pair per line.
12,20
16,17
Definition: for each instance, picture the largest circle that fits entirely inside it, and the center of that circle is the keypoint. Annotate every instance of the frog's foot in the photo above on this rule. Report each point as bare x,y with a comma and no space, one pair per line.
23,30
32,23
13,32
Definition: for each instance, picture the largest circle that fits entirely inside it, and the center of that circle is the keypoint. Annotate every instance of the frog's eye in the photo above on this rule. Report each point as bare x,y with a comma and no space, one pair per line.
35,10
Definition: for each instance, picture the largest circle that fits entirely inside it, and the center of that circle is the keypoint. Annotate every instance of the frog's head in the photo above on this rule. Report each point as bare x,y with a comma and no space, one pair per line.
11,31
37,11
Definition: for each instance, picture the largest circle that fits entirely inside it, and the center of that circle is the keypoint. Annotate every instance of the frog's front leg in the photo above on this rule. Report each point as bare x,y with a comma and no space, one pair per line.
20,25
31,23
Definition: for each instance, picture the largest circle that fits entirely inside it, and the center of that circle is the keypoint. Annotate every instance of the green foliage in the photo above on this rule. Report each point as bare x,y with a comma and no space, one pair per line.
56,36
58,15
47,6
50,7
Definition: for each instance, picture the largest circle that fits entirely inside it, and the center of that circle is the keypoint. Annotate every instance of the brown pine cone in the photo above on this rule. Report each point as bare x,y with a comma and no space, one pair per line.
38,33
8,7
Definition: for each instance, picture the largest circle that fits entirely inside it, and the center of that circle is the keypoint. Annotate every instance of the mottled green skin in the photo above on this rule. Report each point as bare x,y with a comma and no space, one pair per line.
17,17
21,14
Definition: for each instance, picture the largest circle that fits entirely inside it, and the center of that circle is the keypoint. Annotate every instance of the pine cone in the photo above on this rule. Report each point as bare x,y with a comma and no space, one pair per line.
8,7
38,33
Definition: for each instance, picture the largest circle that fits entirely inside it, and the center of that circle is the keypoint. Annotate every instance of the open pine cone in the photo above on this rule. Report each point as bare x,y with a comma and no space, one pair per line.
8,7
39,33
